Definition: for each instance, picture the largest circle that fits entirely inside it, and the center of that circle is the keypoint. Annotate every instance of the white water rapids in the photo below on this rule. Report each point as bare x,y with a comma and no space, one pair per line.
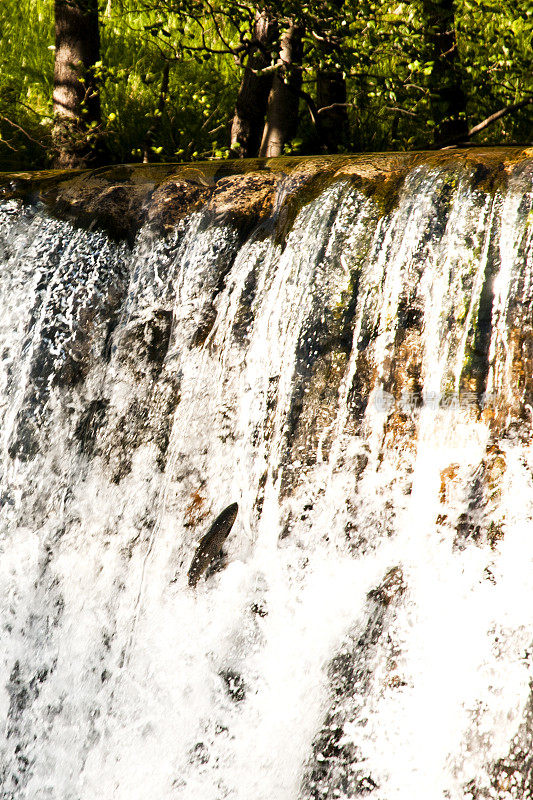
369,630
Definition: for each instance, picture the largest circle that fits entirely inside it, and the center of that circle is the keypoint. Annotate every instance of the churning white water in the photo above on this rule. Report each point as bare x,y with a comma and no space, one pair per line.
361,390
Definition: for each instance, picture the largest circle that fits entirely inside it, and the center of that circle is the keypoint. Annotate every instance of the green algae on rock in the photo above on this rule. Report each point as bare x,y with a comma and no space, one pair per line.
121,199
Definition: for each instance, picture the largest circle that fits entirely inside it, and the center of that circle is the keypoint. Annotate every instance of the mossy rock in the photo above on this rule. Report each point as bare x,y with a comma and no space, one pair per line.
120,199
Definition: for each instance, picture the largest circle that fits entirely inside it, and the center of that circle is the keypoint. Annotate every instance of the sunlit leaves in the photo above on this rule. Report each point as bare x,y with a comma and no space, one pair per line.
380,46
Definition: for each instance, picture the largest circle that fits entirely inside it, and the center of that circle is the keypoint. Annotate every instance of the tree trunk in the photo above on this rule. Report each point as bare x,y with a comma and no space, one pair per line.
447,98
331,97
251,105
76,97
282,112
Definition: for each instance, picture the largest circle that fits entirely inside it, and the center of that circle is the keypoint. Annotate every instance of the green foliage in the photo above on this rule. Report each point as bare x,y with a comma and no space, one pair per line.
196,107
496,47
26,71
380,47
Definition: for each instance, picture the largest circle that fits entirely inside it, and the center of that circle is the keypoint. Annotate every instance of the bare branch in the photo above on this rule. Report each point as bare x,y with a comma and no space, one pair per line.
400,111
333,107
26,134
489,121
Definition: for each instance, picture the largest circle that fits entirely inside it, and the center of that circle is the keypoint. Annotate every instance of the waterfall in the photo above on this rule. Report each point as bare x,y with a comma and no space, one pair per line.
353,365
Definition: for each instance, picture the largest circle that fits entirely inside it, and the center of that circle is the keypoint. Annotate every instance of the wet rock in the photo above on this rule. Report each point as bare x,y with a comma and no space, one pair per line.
76,304
116,207
513,405
205,326
337,765
510,777
389,589
90,422
234,684
448,477
121,199
172,201
199,754
400,432
244,314
404,380
244,199
313,415
145,421
323,352
362,384
143,344
140,351
259,609
196,511
482,522
476,366
24,441
23,691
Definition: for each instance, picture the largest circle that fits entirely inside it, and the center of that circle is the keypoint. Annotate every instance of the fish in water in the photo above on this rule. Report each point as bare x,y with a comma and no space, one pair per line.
211,544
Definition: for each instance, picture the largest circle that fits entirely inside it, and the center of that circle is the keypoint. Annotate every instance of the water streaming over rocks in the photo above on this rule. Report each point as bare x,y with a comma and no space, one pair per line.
356,372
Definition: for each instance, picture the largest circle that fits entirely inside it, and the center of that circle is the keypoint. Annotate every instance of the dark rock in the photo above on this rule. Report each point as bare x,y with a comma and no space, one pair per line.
336,766
89,424
234,685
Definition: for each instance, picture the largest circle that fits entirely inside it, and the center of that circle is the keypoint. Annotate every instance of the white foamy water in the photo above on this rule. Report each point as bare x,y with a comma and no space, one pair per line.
361,390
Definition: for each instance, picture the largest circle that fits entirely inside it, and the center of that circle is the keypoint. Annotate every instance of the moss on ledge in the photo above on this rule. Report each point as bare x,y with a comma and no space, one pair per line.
121,199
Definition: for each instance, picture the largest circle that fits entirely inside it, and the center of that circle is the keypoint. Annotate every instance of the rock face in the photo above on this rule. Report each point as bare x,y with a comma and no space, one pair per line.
338,765
342,346
122,199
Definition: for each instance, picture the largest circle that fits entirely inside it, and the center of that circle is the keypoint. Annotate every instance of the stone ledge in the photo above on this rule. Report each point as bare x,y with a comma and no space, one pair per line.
121,199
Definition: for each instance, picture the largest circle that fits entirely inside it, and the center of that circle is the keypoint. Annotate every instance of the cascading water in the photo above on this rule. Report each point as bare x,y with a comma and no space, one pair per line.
360,382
